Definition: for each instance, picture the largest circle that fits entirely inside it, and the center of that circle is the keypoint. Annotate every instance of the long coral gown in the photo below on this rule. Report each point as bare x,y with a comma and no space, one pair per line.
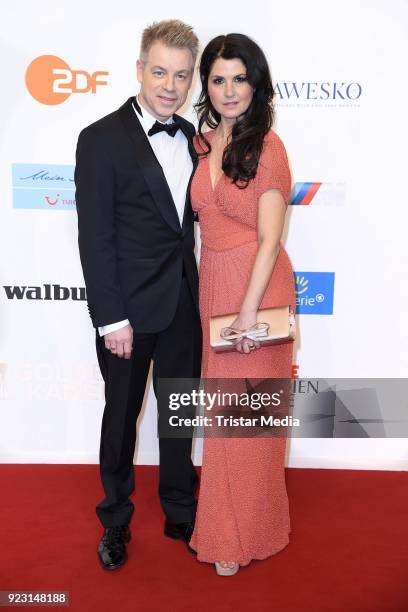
243,510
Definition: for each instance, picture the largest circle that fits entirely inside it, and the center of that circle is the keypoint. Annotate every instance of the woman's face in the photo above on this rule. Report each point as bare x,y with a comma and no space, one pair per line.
228,88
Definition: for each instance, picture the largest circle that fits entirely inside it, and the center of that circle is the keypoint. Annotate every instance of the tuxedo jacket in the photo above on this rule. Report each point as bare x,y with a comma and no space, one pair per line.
133,250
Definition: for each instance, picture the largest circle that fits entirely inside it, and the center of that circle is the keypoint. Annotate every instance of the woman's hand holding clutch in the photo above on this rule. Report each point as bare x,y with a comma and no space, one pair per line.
243,321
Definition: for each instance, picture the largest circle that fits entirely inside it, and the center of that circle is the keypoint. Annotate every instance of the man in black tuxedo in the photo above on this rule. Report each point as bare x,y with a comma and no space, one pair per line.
136,241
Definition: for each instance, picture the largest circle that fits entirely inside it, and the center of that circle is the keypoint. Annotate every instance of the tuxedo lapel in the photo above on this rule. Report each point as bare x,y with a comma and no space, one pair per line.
149,166
188,217
189,134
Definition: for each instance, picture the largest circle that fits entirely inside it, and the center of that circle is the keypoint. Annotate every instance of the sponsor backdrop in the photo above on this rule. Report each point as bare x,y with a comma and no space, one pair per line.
340,98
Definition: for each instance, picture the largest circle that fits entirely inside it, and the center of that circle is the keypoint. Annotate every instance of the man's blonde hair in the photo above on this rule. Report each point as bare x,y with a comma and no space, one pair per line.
171,32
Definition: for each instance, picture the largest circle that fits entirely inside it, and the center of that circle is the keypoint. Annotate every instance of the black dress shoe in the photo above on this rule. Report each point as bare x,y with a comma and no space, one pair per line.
180,531
112,547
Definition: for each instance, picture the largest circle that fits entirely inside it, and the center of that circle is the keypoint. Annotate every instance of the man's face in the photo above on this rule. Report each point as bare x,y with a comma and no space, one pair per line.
165,79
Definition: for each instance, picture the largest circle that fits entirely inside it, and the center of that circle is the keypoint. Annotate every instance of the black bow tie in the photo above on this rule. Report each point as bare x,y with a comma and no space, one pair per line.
169,128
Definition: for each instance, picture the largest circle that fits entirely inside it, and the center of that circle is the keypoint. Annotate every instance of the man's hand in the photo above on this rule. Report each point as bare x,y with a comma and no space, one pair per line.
120,342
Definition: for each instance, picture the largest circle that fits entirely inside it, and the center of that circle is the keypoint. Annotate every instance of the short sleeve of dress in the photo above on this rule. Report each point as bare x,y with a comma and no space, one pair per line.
273,168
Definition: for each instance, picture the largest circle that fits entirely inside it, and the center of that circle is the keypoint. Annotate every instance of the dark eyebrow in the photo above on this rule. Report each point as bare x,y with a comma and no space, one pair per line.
218,76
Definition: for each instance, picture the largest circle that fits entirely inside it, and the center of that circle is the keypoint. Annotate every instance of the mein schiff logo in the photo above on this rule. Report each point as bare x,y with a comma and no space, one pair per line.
318,93
43,186
54,292
314,292
51,81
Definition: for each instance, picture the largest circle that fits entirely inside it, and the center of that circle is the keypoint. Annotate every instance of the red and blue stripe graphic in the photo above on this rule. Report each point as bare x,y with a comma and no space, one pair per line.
303,193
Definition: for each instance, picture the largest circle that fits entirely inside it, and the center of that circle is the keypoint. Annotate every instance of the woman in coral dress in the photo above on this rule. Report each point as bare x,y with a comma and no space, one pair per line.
240,192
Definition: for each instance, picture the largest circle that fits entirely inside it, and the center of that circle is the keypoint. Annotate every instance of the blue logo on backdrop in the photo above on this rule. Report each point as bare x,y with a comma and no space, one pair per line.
44,186
314,292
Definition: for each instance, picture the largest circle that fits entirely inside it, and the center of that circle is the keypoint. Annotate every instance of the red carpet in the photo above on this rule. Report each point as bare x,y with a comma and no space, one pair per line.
348,550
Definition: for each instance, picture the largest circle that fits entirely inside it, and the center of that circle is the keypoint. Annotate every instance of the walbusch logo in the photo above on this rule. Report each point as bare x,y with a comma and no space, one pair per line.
45,292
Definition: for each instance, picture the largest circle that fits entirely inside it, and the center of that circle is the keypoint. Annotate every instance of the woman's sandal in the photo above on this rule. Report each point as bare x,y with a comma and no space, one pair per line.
226,571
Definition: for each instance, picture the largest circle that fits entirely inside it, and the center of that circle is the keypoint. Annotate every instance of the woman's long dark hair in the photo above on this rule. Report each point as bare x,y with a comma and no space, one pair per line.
241,155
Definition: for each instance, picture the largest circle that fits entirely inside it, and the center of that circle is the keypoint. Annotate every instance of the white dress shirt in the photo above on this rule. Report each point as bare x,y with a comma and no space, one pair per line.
173,156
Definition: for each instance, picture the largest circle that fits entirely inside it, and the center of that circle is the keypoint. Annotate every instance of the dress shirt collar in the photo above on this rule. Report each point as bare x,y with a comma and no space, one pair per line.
146,119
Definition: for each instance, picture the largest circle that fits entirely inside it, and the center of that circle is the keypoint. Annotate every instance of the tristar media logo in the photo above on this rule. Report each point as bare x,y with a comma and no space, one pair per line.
45,292
318,93
43,186
320,194
51,81
314,292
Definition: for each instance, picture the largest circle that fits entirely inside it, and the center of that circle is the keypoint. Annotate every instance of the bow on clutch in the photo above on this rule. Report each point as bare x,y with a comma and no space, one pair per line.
276,326
255,332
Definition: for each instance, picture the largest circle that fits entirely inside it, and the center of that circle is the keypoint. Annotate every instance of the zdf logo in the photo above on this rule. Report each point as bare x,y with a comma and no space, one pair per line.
51,81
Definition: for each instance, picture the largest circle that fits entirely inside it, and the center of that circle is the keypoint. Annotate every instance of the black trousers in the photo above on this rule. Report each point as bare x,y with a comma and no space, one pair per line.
176,353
